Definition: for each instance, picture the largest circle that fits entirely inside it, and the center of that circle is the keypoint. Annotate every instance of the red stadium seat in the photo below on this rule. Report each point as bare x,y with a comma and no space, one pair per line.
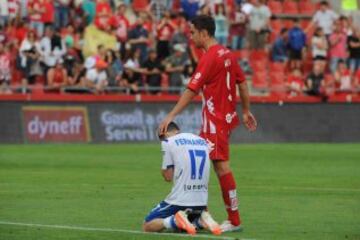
276,25
277,82
259,65
305,23
241,54
290,7
277,67
257,55
259,80
275,6
288,23
307,8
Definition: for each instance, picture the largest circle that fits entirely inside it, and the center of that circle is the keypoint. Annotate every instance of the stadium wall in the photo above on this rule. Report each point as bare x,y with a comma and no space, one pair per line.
113,122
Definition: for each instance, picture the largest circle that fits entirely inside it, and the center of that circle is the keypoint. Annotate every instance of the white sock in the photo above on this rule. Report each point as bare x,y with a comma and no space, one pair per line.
169,222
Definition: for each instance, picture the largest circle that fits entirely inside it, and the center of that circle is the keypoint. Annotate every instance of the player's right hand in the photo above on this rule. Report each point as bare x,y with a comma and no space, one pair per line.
164,124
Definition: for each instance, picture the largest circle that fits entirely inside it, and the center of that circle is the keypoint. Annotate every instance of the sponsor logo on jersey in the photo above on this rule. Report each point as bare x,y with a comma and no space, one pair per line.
195,187
210,106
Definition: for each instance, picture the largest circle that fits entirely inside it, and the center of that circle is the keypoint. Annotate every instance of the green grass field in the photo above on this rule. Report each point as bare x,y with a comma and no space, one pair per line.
297,191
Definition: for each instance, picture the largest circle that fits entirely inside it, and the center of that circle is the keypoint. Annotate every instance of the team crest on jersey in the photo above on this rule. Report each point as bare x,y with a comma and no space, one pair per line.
197,76
227,63
229,117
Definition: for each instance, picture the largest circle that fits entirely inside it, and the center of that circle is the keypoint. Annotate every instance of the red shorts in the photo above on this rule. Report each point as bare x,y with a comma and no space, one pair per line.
220,144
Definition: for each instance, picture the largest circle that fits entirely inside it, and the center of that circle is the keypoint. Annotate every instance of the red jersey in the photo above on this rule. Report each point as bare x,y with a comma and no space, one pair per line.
36,9
165,32
49,14
216,75
122,27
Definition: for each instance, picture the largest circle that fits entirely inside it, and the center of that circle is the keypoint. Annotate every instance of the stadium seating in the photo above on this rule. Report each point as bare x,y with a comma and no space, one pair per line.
258,65
275,6
259,80
277,82
277,67
290,7
307,8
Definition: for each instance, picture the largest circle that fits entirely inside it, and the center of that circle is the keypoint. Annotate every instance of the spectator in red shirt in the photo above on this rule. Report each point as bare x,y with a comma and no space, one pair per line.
36,11
357,81
5,69
165,31
14,8
338,47
57,77
295,83
103,15
122,26
343,79
49,14
21,31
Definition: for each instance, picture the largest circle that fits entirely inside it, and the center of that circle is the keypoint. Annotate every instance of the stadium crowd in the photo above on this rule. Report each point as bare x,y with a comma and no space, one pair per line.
285,47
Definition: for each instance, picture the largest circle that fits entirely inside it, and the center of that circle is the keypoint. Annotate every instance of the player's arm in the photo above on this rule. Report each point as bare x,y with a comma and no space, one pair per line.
167,168
184,100
248,118
168,174
196,83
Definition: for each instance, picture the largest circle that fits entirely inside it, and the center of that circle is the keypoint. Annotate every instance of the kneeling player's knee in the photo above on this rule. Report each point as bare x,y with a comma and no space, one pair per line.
146,227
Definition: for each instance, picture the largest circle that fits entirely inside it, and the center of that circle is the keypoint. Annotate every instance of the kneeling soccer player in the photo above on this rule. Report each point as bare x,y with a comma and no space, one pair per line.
186,163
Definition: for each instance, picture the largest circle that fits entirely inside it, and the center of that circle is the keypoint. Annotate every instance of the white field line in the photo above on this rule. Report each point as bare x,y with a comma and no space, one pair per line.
319,189
300,188
79,228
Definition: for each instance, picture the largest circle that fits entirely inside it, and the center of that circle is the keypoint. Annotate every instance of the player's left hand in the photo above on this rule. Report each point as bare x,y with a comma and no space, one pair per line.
249,121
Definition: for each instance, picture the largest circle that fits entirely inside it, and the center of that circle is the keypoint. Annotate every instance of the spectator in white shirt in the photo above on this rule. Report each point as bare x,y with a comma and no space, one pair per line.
96,78
319,45
325,18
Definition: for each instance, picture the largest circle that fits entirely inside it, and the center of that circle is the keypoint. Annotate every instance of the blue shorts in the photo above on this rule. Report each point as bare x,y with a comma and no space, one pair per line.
164,210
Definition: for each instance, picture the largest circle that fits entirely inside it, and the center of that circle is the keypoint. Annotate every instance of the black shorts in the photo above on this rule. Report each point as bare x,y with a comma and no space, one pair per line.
318,57
295,54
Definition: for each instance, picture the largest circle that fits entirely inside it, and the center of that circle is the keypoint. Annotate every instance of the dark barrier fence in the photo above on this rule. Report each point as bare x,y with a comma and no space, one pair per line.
24,122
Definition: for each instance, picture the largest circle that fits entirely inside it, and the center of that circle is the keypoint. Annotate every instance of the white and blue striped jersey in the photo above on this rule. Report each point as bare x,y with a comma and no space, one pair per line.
188,154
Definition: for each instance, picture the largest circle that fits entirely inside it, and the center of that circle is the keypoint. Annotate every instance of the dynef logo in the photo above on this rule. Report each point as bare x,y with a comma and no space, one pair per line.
56,124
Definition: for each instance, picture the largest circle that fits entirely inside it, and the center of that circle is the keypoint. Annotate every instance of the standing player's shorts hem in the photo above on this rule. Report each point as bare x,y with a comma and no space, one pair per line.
164,210
219,144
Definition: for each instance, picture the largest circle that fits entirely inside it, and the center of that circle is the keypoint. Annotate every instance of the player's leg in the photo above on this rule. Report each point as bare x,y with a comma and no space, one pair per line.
228,189
166,216
155,225
219,156
161,217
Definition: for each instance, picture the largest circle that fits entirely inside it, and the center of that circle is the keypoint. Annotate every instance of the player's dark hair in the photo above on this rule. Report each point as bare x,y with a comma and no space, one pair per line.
325,3
204,22
172,127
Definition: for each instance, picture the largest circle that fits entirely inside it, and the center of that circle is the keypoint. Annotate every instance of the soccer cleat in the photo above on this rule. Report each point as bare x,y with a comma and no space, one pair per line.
182,222
226,226
209,223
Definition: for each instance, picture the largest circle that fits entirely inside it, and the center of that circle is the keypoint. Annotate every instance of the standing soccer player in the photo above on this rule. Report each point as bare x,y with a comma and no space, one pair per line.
186,163
217,76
